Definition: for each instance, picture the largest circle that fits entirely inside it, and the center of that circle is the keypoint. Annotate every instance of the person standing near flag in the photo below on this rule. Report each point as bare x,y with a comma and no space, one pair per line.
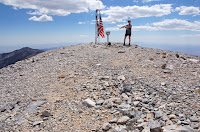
128,32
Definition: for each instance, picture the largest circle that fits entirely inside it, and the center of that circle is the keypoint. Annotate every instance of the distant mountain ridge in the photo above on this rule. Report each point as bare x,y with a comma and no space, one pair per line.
17,55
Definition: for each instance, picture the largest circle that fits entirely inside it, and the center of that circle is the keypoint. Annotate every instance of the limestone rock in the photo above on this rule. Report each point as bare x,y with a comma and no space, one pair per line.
89,103
117,101
104,77
194,60
121,51
193,119
122,77
158,114
37,123
163,84
135,103
113,120
46,114
34,105
123,120
154,126
99,102
7,106
124,96
176,128
106,126
61,76
120,129
172,116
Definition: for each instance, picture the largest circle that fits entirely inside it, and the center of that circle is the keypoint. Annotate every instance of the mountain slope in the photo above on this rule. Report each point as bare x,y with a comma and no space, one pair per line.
17,55
92,87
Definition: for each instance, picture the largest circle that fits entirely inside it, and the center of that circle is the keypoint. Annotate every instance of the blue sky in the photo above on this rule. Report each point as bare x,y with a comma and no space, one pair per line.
53,22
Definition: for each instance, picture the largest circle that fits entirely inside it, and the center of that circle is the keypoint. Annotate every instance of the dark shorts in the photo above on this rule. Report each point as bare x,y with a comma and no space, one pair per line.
128,34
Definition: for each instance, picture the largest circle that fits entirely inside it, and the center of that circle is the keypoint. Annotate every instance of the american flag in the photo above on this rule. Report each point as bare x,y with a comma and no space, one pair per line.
101,30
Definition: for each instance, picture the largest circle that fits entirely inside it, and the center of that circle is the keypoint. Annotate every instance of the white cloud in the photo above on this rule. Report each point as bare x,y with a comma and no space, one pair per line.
168,24
42,18
149,0
92,23
165,39
113,29
177,24
136,1
190,35
117,28
54,7
135,28
144,28
190,10
81,22
120,14
83,36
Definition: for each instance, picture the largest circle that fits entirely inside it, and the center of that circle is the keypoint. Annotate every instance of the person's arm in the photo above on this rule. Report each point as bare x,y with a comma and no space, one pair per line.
122,27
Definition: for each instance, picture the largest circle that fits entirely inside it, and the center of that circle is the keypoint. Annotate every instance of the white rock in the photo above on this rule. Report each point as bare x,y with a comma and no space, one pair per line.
194,60
194,119
124,96
123,120
104,77
113,120
106,126
171,67
138,98
146,129
135,103
163,84
125,106
37,123
99,102
116,100
120,128
172,116
122,77
107,84
176,128
121,51
89,103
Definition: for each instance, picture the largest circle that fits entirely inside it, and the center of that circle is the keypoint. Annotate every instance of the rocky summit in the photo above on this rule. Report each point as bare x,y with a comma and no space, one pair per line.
90,87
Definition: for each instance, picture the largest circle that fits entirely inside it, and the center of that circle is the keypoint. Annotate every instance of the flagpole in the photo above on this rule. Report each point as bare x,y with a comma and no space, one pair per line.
96,36
96,29
99,27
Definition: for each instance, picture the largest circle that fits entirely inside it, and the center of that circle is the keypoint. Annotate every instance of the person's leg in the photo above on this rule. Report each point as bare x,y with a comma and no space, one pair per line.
129,39
124,39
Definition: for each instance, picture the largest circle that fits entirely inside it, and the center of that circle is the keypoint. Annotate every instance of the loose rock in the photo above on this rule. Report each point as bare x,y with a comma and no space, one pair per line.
172,116
106,126
37,123
89,103
123,120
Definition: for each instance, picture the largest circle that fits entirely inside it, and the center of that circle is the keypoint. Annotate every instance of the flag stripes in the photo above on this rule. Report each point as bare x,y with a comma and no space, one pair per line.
99,25
101,30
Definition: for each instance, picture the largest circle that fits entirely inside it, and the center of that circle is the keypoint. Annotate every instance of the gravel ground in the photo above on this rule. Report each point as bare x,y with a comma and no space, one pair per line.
90,87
